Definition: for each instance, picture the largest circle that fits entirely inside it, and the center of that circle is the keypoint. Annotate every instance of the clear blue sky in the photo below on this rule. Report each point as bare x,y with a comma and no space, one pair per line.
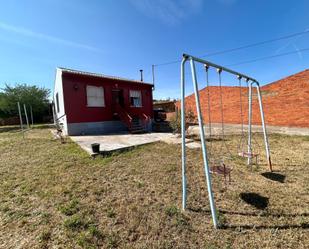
120,37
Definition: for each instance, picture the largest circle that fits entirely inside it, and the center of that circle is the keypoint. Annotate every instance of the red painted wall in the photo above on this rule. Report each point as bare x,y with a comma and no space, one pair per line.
75,98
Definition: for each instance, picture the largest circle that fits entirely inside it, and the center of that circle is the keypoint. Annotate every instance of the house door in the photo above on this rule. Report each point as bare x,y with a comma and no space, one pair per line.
117,97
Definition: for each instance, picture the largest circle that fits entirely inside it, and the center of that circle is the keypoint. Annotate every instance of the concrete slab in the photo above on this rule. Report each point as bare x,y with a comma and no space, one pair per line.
118,142
194,145
112,143
175,139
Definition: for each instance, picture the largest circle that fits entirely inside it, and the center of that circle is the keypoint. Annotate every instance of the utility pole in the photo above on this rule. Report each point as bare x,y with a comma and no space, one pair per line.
153,75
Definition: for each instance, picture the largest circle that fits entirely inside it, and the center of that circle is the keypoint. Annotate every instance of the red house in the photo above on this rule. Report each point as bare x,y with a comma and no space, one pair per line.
90,103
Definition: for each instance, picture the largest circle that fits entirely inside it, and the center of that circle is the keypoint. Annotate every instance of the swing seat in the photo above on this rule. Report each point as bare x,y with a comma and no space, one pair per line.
221,170
247,154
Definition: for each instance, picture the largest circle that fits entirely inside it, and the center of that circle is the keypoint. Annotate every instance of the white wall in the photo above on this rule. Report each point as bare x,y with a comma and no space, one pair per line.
58,88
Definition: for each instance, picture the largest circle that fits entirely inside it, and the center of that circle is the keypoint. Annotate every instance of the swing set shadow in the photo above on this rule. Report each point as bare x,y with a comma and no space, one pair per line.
208,139
304,225
265,227
277,177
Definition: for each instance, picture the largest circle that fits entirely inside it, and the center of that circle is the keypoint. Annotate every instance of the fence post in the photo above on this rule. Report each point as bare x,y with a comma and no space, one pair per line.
20,119
25,109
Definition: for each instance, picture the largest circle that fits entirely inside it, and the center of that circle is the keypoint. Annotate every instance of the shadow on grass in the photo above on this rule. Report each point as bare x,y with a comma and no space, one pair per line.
278,227
273,215
274,176
256,200
265,214
207,139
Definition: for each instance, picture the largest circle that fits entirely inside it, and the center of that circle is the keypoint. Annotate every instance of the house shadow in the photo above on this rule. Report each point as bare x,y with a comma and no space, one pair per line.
256,200
274,176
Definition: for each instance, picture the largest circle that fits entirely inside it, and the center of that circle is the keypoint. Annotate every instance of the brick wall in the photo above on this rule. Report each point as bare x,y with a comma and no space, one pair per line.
285,102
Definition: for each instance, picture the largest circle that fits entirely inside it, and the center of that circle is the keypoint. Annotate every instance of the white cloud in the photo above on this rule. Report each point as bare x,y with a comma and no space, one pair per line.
49,38
170,12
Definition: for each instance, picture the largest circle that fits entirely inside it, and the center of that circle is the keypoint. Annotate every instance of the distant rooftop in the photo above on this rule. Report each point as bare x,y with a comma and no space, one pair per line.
73,71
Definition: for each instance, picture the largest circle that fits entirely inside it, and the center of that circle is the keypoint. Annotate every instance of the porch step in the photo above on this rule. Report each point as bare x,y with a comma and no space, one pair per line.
136,126
137,131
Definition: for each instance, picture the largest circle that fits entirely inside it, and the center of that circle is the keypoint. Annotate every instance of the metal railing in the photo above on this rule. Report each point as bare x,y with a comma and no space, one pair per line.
124,116
146,120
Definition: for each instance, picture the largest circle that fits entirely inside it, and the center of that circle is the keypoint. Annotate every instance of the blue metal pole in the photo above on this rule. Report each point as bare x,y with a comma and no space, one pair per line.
202,135
249,124
183,135
264,126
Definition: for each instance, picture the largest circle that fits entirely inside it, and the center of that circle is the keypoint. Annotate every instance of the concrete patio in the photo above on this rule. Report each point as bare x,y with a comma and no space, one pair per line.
117,142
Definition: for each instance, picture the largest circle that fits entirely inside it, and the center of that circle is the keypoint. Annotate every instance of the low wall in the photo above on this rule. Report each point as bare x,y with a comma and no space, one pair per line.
236,129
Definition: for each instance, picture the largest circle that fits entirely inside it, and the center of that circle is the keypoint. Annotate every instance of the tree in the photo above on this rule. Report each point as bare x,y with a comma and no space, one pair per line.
36,97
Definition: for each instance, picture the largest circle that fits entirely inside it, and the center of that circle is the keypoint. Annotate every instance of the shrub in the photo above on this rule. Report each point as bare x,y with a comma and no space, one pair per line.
175,122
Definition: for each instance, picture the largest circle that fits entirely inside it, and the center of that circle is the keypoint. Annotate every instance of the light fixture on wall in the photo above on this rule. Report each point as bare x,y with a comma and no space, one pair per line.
75,87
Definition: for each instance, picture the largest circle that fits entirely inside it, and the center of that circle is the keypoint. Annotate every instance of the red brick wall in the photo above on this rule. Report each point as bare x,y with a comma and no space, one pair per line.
285,102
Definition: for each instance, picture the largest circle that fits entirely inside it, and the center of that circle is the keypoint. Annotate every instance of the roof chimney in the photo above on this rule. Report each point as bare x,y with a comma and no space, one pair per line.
141,70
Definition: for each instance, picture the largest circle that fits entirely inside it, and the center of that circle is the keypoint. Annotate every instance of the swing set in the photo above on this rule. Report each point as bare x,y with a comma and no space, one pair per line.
219,166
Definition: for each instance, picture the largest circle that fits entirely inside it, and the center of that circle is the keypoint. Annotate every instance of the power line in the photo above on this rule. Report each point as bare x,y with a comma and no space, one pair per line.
269,57
241,47
259,59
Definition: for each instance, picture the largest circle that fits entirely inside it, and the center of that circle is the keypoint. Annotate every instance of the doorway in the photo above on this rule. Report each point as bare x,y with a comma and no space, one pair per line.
117,97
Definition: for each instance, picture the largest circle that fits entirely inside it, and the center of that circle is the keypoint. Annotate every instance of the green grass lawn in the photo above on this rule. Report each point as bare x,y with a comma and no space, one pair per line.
54,195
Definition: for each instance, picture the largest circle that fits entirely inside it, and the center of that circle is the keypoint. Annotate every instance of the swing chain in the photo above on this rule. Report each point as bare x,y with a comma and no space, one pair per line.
209,110
240,147
223,144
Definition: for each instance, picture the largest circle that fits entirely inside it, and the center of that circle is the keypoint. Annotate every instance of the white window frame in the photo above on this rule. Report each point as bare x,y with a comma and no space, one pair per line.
133,94
95,96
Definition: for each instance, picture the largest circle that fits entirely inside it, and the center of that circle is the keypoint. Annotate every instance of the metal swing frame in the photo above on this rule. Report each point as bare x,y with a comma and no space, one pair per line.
253,82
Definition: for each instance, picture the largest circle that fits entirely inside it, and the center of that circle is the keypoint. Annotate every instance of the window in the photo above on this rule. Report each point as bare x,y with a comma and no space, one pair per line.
57,102
95,96
135,98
